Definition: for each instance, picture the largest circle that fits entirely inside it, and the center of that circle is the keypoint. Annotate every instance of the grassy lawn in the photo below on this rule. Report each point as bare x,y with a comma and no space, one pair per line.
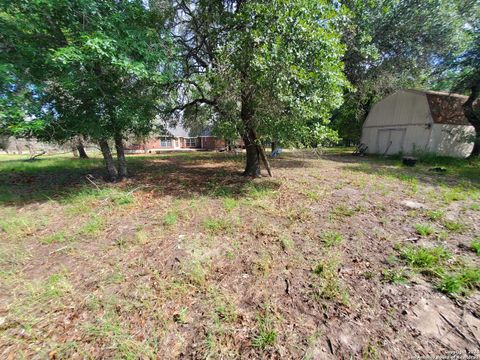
335,256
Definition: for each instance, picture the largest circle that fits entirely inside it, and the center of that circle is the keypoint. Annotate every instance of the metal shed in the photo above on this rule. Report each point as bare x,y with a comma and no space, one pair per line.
413,121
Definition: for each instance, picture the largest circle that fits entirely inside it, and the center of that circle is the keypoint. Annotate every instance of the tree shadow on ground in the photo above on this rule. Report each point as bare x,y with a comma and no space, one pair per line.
188,175
178,175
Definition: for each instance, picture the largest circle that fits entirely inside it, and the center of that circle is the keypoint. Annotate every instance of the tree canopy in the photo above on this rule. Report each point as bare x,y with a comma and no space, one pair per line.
97,68
460,72
268,70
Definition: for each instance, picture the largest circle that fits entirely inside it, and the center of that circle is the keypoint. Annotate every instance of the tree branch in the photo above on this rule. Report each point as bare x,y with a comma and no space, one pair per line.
192,103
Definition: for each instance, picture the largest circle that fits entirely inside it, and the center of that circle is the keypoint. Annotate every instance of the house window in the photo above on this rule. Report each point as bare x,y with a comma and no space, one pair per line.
165,142
190,142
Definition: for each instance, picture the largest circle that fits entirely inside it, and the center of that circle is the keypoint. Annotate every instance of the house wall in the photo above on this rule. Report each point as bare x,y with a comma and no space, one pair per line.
211,143
186,146
203,142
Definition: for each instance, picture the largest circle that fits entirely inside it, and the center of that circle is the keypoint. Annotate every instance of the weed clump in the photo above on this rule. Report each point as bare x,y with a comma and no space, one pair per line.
329,285
424,229
475,246
425,258
461,282
266,335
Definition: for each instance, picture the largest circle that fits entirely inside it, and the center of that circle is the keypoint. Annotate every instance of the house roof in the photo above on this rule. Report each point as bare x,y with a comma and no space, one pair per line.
445,108
180,131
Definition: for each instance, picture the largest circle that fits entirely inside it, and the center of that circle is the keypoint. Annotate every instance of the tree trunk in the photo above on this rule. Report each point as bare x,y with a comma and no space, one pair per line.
74,151
274,146
122,162
31,150
18,147
476,146
109,163
80,148
252,167
263,156
473,117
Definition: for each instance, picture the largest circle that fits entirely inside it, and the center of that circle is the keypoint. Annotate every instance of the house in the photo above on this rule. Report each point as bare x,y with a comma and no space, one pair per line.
178,138
413,121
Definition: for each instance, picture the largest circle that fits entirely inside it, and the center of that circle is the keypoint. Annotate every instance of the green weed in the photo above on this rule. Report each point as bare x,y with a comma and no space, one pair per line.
392,259
124,199
116,276
331,238
451,194
261,189
286,242
442,235
15,226
424,258
170,218
395,276
141,237
108,328
56,285
453,225
88,196
475,245
460,283
181,316
51,289
329,285
263,264
58,237
266,334
312,195
230,203
226,312
370,352
412,181
216,225
435,215
343,211
196,272
424,229
92,226
220,191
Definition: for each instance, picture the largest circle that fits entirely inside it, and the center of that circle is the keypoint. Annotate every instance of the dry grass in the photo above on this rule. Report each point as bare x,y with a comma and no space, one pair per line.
187,259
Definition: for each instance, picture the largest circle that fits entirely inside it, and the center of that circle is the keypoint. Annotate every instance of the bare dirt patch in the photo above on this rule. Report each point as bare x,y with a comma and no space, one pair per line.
188,259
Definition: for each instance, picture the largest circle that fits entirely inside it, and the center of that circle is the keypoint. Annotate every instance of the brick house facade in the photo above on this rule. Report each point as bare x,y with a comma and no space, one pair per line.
178,139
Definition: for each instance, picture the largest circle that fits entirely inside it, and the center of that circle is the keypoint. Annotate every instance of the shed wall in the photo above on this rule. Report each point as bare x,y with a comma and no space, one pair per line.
452,140
400,108
402,122
415,138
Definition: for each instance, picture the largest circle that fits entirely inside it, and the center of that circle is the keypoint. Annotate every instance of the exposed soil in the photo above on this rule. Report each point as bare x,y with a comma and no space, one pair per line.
200,262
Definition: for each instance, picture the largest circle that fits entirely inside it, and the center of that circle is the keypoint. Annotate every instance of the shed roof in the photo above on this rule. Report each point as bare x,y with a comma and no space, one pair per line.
445,108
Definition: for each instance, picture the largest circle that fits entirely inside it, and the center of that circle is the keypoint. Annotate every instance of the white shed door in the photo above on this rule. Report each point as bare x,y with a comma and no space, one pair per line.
390,141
